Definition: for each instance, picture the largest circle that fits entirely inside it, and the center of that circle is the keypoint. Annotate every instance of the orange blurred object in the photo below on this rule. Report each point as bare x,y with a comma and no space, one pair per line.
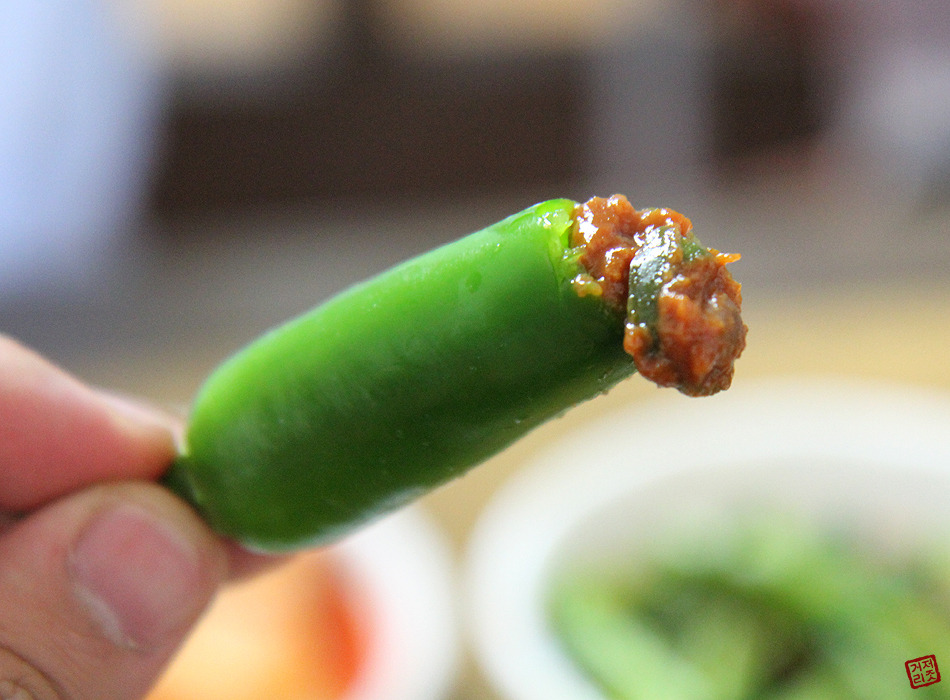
296,633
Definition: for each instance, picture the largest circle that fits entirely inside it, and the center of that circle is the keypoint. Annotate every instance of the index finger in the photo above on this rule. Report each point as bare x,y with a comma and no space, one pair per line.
58,435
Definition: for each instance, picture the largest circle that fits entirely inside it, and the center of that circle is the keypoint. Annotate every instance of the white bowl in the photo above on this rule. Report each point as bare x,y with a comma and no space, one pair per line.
866,455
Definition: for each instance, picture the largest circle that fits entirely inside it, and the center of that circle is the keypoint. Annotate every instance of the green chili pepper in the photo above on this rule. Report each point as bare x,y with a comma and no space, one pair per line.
400,383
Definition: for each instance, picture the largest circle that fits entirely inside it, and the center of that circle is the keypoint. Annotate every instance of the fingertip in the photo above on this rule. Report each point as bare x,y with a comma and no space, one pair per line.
99,589
140,578
156,433
60,435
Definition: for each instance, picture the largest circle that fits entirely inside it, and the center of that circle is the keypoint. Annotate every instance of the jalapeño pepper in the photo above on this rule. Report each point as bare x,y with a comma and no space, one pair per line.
408,379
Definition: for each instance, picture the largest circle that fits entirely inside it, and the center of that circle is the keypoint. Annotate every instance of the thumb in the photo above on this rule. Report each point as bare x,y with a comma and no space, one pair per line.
97,591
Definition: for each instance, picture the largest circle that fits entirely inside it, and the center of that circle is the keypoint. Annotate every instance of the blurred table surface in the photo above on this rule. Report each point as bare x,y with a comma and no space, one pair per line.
157,341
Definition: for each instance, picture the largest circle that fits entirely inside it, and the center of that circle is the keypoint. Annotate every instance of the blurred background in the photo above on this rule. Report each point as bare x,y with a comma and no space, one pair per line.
177,176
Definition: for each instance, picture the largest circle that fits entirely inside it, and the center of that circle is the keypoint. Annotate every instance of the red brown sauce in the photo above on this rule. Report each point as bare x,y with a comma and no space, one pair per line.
698,333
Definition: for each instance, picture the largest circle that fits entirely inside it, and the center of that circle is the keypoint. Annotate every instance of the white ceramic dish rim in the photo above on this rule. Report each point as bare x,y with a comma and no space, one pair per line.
516,541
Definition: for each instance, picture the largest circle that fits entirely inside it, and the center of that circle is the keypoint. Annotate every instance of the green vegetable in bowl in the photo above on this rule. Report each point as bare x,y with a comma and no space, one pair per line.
768,612
405,381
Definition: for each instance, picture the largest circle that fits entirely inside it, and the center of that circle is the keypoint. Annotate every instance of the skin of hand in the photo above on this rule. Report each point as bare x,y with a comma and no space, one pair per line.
102,572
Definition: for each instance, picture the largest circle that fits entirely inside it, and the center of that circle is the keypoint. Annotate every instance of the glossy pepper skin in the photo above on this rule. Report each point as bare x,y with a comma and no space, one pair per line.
398,384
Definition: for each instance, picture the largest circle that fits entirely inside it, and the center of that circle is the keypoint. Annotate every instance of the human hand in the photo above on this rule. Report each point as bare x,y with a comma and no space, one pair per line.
102,573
